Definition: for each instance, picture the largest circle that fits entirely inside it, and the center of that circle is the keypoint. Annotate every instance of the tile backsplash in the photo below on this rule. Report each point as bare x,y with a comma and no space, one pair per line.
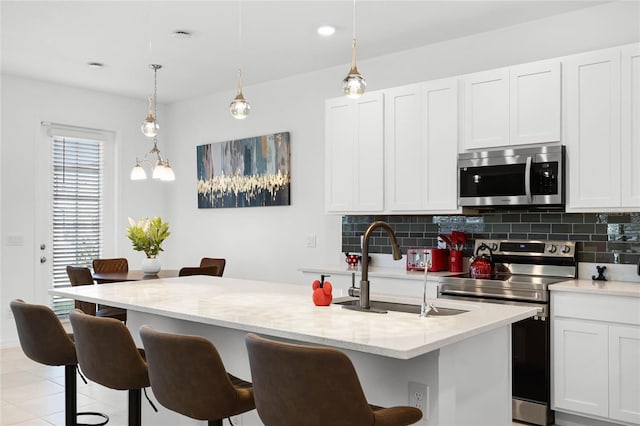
599,237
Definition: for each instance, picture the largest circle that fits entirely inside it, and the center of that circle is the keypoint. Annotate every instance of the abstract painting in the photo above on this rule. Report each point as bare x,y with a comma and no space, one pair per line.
249,172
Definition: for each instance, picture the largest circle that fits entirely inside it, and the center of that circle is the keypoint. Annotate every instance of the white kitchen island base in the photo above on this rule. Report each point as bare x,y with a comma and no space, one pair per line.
464,359
469,382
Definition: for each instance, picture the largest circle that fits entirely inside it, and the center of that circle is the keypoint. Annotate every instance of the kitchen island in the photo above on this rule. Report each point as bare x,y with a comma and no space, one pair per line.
464,360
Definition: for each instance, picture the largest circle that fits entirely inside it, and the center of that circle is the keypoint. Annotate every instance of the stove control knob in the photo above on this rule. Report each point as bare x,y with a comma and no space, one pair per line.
551,248
565,249
494,246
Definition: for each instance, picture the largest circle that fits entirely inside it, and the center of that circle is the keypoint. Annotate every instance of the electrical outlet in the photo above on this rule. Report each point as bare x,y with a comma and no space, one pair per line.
419,398
236,420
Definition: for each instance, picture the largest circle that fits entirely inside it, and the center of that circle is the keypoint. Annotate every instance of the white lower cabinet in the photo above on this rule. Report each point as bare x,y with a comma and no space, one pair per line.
596,356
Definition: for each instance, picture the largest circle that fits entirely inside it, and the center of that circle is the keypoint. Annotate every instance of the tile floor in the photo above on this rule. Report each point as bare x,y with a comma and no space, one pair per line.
32,394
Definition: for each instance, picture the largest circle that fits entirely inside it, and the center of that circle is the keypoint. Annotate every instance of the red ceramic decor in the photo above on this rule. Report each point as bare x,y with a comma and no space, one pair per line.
322,293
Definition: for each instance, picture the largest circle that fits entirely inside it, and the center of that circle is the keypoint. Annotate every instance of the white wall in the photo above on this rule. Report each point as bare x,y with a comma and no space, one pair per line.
263,243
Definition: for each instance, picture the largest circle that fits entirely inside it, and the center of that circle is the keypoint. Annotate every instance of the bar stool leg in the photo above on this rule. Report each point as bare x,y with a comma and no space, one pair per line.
70,395
135,407
214,422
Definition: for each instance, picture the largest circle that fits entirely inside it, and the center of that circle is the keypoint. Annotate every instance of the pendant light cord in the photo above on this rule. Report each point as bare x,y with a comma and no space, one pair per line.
353,15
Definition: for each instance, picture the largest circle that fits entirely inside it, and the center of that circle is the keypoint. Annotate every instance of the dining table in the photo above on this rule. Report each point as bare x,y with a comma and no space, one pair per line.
132,275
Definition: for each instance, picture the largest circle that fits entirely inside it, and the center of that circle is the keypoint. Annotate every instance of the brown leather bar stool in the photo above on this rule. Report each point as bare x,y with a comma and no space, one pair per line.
214,261
108,355
79,275
198,270
187,376
44,340
313,386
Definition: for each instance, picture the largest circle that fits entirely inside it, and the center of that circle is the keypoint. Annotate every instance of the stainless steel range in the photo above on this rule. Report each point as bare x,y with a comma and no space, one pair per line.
523,272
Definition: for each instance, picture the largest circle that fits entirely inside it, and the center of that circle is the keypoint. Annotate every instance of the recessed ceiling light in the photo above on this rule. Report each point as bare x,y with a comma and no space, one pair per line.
181,35
95,65
326,30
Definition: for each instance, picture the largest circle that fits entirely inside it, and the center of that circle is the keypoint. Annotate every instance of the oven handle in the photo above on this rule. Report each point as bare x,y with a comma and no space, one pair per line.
527,179
543,313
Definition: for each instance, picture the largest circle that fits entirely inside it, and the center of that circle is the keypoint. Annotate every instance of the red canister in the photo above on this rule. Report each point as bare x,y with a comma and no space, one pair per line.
439,259
455,260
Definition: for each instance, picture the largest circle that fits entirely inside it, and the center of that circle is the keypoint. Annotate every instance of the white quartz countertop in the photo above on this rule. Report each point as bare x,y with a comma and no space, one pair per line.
610,288
374,271
287,311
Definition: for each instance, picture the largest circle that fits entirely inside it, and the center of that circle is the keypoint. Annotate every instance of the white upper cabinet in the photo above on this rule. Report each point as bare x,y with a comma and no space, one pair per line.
601,129
421,145
630,135
486,107
354,154
534,94
512,106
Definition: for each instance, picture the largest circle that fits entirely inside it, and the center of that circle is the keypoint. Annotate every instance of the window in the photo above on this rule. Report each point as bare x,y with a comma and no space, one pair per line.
77,209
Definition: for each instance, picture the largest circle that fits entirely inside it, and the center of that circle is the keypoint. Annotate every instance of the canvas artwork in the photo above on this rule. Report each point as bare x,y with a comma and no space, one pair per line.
249,172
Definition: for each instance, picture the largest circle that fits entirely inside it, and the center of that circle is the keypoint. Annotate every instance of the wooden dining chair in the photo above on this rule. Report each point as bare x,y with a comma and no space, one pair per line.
198,270
214,261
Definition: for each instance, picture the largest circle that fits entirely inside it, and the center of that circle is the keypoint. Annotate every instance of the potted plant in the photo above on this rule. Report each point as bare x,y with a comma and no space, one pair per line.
147,235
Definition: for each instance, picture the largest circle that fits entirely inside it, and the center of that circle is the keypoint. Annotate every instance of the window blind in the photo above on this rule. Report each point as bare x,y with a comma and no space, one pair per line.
77,209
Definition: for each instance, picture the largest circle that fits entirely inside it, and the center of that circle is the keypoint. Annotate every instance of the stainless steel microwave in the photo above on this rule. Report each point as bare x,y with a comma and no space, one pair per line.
531,176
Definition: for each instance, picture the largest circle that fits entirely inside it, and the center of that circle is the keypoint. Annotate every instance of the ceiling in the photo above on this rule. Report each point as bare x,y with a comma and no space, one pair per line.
54,40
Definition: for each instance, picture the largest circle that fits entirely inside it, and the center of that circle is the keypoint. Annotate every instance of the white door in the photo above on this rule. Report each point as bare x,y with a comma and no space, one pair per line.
534,92
486,109
631,126
580,375
75,219
624,373
592,129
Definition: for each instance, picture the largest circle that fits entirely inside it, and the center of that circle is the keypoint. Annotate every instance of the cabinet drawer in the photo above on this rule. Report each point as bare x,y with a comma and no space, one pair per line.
617,309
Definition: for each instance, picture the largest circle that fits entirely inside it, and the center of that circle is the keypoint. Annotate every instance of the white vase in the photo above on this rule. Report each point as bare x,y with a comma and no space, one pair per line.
150,266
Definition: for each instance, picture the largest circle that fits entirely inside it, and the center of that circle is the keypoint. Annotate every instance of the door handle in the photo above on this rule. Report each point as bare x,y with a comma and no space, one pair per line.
527,179
43,259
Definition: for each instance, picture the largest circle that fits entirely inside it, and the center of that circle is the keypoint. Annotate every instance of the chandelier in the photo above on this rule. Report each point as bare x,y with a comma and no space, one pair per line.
161,169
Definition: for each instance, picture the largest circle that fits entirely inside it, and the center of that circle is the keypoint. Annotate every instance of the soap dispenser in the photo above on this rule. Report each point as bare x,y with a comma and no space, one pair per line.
322,291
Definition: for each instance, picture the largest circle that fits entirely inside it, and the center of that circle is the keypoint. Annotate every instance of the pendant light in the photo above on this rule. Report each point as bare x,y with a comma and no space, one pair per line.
354,83
239,107
161,169
150,125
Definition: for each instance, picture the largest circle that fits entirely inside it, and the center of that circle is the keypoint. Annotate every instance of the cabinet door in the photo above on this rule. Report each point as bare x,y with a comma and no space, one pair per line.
339,154
421,144
534,91
440,134
624,373
369,158
354,154
406,155
631,126
580,362
592,129
486,109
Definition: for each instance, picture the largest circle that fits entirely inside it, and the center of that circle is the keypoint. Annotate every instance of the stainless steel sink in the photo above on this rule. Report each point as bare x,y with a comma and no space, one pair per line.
402,307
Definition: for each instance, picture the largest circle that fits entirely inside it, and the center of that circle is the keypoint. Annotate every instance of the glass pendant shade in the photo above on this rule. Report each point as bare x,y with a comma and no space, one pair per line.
169,175
354,83
158,170
138,173
150,125
239,107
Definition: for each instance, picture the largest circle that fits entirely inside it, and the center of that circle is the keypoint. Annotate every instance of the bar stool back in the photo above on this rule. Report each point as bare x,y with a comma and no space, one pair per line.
313,386
188,376
108,355
44,340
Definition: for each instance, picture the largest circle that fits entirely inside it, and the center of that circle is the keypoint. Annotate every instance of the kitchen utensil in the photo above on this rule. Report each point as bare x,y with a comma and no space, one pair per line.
482,266
446,239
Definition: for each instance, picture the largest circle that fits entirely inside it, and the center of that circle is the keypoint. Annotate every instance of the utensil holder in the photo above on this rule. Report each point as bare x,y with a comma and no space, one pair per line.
455,261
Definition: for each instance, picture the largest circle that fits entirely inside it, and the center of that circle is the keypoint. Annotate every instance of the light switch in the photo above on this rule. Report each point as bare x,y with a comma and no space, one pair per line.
311,241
